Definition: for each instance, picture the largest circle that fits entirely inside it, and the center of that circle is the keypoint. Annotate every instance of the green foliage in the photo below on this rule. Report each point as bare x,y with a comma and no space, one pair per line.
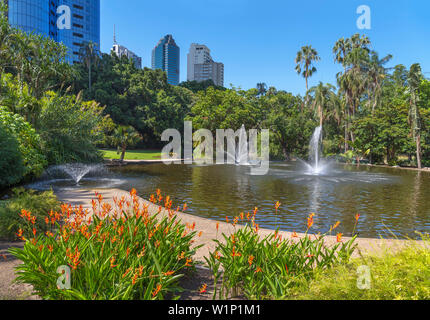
270,268
29,141
70,129
125,137
196,86
11,163
39,204
398,275
291,129
133,97
131,255
226,109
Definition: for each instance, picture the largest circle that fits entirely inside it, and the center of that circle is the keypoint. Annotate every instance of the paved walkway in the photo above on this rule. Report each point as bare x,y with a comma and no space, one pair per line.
8,290
208,227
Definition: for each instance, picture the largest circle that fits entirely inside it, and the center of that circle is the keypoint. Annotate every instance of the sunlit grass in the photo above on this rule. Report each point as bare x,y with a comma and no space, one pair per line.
401,275
132,154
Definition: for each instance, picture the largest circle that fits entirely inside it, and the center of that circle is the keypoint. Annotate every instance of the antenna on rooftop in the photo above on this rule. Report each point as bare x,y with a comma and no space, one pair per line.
114,35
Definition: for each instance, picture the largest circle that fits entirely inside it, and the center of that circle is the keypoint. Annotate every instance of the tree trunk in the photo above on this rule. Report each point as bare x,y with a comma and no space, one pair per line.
285,153
419,150
89,78
123,154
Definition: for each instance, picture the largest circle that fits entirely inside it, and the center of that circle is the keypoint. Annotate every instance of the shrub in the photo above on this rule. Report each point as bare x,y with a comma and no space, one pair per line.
11,164
40,204
28,140
269,268
401,275
114,253
70,129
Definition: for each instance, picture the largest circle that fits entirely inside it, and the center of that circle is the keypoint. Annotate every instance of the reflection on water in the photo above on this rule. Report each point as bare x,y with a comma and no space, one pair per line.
386,198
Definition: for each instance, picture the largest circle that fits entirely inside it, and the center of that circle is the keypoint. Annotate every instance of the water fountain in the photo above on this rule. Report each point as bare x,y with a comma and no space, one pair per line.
242,151
315,165
75,171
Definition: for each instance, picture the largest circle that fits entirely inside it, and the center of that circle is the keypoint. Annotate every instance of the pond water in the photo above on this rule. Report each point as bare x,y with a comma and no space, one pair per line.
390,201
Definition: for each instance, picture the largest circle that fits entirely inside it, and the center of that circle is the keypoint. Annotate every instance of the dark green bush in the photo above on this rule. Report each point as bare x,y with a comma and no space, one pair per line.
11,163
29,142
39,204
70,129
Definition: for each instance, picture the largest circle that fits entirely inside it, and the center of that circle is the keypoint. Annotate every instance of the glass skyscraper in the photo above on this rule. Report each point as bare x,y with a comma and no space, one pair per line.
40,16
166,56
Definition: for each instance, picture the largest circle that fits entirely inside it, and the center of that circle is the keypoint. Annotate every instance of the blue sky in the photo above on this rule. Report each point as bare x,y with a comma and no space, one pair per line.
258,40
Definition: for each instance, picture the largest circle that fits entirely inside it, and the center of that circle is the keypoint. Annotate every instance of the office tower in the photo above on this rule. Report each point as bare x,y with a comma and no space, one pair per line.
120,51
40,16
166,56
123,51
201,66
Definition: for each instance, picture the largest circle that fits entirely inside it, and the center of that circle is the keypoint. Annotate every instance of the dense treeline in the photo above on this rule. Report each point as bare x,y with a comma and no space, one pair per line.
52,112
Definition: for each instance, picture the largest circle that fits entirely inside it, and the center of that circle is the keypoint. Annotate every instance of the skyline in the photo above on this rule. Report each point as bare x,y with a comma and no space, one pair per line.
264,51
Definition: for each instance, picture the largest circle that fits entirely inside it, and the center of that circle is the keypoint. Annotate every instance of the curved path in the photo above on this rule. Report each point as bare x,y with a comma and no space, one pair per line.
208,227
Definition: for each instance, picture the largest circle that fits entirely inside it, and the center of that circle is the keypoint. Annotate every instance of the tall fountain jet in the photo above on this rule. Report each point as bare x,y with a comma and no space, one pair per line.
242,151
314,151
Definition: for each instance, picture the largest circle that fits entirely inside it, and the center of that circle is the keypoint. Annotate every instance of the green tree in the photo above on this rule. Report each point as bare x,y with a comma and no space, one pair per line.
12,167
29,142
323,100
262,88
414,80
125,137
70,128
89,56
304,62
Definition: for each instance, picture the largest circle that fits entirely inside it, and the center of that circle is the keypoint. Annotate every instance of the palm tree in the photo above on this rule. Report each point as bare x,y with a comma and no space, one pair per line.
89,54
352,54
376,73
304,62
414,80
262,88
124,137
323,100
341,48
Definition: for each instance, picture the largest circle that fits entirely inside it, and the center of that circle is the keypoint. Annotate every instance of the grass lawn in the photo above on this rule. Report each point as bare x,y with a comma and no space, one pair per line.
132,154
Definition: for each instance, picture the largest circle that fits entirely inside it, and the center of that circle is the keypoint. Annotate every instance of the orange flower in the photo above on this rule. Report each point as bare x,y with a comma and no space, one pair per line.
133,192
156,290
251,260
181,256
200,234
112,261
169,273
339,237
50,248
188,262
294,235
357,216
255,211
258,270
226,219
203,289
277,205
286,269
4,257
311,220
217,226
336,225
235,254
185,207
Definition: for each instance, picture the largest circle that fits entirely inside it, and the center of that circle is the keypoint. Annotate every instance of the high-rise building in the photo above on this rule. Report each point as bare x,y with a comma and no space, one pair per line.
120,51
123,51
166,56
201,66
40,16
